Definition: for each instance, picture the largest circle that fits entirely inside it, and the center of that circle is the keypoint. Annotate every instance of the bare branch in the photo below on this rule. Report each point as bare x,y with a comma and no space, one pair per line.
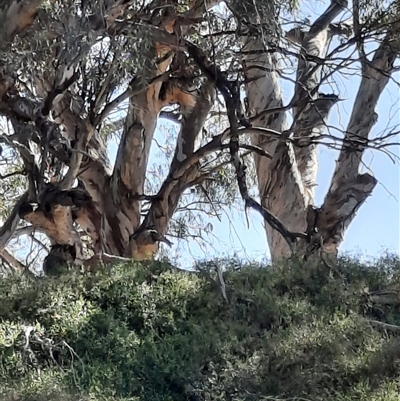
12,261
231,97
10,225
384,326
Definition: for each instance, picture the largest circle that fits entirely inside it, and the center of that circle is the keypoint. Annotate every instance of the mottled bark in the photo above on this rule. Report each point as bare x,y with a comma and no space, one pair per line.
108,207
309,117
286,182
279,182
107,204
349,189
127,182
179,179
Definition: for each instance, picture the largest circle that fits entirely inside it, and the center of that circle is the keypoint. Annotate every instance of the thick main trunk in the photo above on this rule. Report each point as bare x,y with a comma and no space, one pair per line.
286,182
106,204
279,182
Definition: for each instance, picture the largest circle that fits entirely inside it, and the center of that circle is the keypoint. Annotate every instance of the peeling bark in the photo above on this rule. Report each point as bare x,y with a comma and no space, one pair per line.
349,189
111,211
286,182
279,182
165,202
107,204
310,118
128,178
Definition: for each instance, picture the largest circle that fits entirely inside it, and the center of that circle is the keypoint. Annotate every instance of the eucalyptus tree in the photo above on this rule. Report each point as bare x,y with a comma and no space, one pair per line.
67,68
362,37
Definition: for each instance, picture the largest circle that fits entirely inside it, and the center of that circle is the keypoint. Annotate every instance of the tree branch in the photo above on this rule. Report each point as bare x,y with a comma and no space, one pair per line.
75,164
184,168
232,100
308,78
129,93
10,225
384,326
349,189
12,261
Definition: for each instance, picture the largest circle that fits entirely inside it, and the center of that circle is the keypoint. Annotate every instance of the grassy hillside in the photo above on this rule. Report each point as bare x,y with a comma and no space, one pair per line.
146,332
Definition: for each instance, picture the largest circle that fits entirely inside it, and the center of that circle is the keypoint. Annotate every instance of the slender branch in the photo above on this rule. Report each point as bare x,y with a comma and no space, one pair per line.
357,33
19,172
10,225
12,260
103,93
384,326
231,96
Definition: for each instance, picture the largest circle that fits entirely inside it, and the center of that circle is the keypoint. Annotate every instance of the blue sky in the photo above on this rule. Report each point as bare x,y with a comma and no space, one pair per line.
375,229
376,226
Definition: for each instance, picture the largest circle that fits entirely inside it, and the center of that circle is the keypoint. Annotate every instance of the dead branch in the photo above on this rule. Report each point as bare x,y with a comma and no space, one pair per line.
12,260
386,297
384,326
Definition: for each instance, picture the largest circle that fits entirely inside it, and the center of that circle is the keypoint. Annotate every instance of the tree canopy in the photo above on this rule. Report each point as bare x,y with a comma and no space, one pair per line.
75,73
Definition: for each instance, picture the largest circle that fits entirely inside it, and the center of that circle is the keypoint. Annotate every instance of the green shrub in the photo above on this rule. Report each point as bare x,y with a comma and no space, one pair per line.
149,332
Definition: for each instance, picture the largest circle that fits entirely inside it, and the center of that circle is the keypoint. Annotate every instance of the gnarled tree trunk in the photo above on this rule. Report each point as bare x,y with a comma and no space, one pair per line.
106,204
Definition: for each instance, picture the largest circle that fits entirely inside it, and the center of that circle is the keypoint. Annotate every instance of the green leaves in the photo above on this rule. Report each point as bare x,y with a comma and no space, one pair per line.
146,332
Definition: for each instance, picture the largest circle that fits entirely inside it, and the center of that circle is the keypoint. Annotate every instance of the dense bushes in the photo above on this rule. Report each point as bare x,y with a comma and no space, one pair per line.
148,332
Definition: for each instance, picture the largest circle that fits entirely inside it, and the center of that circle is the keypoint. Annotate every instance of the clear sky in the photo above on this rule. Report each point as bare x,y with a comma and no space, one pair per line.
376,227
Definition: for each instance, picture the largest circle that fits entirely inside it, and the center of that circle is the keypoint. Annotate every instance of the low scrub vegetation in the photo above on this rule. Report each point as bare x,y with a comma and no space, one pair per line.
299,331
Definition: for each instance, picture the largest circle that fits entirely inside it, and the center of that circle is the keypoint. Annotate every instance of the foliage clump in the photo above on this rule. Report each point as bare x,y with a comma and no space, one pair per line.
150,332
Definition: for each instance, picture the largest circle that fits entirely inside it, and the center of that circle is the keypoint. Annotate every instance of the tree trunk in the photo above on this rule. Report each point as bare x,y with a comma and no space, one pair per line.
349,189
106,204
286,182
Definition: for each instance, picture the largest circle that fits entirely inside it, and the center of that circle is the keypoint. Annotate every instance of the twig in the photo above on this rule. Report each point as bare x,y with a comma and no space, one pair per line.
23,172
222,283
384,326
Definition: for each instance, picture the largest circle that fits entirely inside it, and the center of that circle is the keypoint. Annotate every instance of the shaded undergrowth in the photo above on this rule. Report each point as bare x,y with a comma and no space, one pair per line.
149,332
